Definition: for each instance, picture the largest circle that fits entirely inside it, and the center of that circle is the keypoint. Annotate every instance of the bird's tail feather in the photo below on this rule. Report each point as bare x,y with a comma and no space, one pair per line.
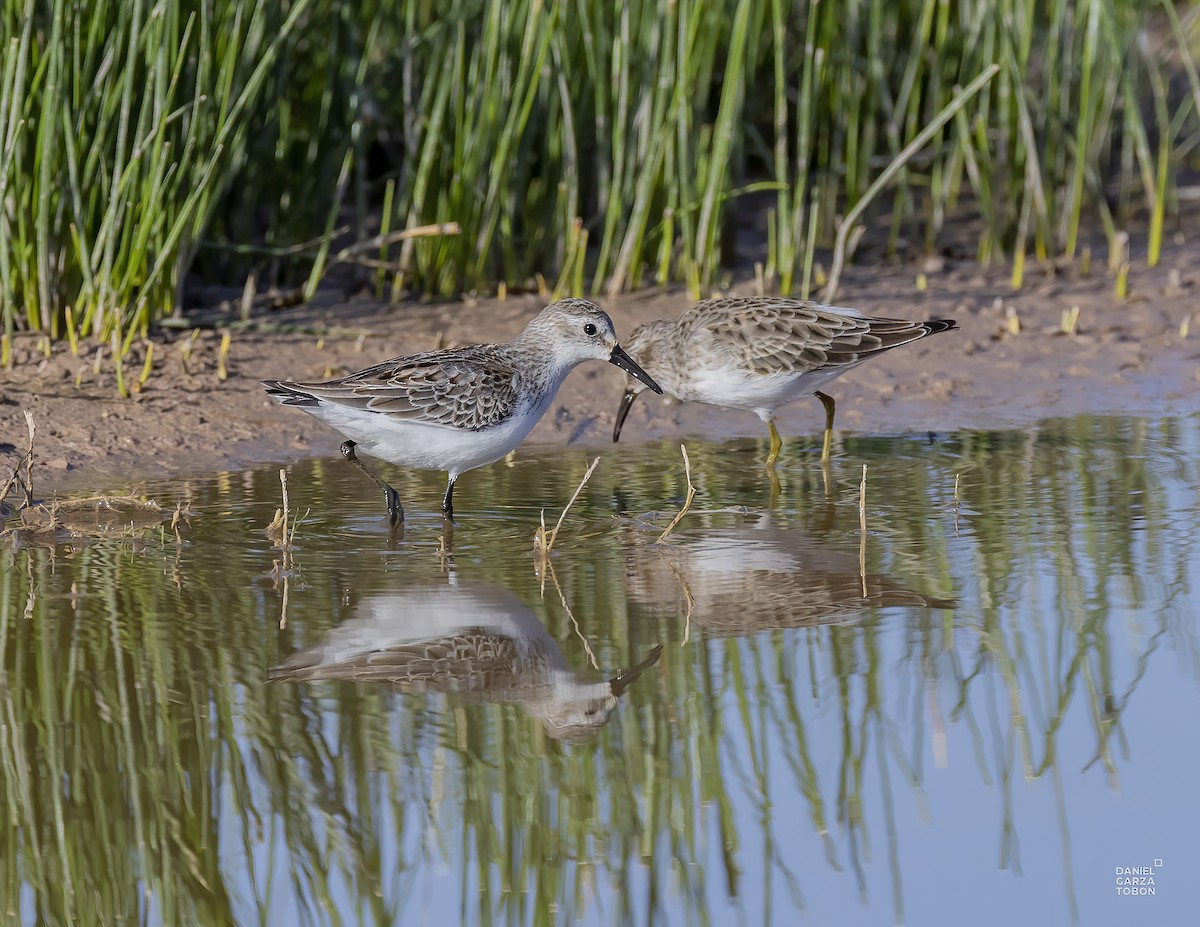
289,394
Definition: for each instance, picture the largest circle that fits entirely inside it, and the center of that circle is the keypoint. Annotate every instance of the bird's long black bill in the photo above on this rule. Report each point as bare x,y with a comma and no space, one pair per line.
626,405
619,358
624,679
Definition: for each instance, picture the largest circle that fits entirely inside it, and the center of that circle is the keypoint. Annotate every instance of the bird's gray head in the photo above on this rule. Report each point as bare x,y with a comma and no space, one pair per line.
578,720
645,346
580,711
578,330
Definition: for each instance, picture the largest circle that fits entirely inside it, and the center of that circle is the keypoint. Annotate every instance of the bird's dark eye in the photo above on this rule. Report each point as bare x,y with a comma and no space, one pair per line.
589,329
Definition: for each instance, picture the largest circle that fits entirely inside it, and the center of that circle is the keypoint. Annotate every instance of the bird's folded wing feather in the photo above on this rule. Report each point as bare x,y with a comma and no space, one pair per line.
467,388
787,335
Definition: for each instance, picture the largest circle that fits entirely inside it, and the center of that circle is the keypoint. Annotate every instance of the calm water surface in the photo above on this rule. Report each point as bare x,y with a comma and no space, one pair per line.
976,712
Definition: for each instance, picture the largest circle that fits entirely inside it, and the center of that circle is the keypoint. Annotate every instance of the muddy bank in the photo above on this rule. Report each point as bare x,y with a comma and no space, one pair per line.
1134,355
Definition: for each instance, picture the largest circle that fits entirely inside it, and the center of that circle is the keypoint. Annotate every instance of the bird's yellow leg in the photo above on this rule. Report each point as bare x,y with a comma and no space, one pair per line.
828,403
776,444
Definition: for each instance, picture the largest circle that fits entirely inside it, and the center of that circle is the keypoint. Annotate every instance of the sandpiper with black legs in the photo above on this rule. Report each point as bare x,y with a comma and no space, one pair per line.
459,408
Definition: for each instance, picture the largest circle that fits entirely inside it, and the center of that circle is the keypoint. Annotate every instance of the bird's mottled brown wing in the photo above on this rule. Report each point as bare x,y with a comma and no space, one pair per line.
473,662
777,335
470,388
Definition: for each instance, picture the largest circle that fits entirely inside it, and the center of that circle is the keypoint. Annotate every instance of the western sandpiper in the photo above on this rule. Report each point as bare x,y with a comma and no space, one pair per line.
459,408
479,643
760,353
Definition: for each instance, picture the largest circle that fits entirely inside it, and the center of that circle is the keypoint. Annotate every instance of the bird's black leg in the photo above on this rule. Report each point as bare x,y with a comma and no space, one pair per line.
395,511
448,501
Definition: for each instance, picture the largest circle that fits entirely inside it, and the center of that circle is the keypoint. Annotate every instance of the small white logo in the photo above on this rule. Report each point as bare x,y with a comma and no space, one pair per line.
1138,880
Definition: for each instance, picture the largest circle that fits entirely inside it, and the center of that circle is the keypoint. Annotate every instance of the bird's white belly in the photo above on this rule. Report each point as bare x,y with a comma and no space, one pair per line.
761,393
424,446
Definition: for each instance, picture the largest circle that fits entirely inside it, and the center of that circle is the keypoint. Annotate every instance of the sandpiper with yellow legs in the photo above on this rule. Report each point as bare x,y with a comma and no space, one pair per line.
761,353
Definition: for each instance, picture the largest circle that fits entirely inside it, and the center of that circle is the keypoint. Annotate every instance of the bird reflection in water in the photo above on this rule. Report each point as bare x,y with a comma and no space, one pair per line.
477,643
748,580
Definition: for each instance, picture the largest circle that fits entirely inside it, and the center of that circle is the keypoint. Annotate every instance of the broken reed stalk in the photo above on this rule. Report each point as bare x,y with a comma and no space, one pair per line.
543,541
1118,263
1012,320
282,531
1069,320
223,357
862,531
283,487
26,461
687,503
148,366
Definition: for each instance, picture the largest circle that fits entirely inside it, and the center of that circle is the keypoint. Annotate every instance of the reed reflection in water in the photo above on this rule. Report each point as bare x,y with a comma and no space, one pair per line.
985,732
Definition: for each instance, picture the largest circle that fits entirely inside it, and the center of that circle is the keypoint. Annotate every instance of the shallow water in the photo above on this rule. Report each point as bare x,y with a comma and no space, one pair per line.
976,712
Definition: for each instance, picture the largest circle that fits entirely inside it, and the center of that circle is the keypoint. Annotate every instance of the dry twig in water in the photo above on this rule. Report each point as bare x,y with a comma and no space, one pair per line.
543,541
862,531
26,461
278,530
687,503
282,531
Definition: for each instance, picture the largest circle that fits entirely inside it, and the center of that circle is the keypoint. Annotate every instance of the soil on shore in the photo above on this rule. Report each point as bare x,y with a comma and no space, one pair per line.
1010,364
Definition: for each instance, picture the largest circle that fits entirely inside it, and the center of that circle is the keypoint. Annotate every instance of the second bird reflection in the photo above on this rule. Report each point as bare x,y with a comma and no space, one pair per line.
474,642
754,579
